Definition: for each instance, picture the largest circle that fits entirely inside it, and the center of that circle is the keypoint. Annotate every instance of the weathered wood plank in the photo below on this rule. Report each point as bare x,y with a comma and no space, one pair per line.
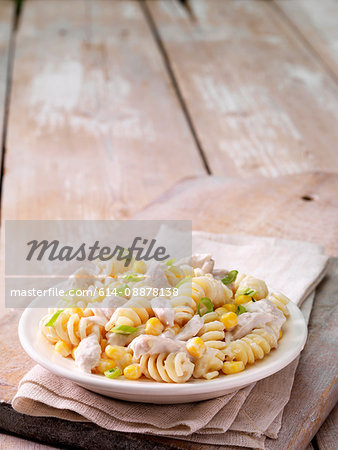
327,436
95,129
317,22
261,104
6,23
294,207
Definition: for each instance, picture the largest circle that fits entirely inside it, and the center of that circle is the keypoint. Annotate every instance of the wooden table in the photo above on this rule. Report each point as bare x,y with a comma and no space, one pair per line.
104,105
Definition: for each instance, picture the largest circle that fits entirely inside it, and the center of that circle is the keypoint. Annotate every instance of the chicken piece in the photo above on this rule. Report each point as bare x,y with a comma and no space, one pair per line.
156,277
150,345
88,353
191,328
82,279
163,310
247,322
267,307
203,262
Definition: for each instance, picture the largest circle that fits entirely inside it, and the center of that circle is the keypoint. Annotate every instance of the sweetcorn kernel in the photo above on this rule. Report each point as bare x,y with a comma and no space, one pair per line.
140,267
132,372
63,348
242,299
230,367
154,326
196,347
229,320
115,351
230,307
105,364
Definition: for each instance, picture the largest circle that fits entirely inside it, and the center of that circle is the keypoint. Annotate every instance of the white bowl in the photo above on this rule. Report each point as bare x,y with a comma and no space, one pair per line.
146,391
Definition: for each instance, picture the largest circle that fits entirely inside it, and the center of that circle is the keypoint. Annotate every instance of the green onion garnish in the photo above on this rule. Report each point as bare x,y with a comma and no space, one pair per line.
112,373
53,319
247,291
207,305
230,278
185,280
170,262
240,310
133,277
124,329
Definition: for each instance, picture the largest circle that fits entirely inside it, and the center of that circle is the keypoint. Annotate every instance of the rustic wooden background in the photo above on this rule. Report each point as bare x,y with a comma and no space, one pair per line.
106,104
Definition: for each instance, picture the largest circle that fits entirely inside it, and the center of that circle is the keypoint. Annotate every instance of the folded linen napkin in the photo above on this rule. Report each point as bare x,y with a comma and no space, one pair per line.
243,418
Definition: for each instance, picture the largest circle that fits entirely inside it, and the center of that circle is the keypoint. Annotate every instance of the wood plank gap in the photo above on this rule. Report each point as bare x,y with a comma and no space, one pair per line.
314,53
9,72
154,30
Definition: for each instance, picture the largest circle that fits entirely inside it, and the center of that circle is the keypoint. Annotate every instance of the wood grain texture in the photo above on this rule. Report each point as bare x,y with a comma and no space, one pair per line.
261,103
294,207
317,22
327,436
95,129
6,22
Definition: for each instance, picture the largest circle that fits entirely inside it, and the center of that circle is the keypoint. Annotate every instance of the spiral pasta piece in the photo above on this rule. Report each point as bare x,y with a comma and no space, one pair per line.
70,327
281,301
132,317
212,288
172,367
254,283
212,332
251,347
209,365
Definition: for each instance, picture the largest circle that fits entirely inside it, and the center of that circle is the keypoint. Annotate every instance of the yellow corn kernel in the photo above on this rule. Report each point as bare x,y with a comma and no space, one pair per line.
73,352
63,348
196,347
280,334
125,361
103,344
229,320
105,364
230,307
132,372
154,326
140,267
242,299
230,367
115,352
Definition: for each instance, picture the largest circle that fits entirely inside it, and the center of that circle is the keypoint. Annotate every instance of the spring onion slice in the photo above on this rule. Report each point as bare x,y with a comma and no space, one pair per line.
207,305
185,280
240,310
133,277
170,262
230,278
53,319
124,329
112,373
246,291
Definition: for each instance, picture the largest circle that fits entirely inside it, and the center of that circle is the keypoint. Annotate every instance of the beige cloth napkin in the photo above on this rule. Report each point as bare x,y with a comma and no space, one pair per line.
244,418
